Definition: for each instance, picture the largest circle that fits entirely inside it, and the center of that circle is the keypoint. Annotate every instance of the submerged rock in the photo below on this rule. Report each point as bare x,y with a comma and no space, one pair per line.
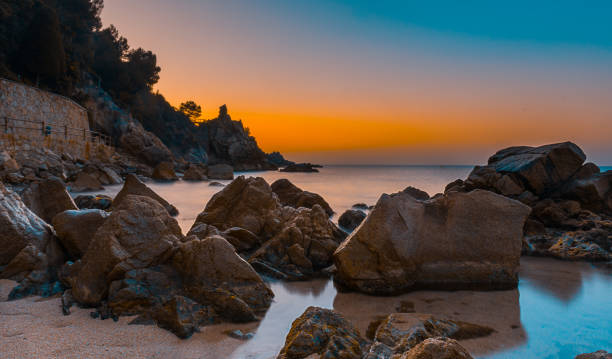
443,243
600,354
196,172
300,167
351,219
293,196
133,186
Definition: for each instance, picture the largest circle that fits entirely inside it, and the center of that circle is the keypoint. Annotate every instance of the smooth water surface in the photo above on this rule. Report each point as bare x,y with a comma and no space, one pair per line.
560,309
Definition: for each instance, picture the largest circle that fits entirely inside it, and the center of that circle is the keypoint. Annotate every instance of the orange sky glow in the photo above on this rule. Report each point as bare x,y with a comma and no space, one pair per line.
398,95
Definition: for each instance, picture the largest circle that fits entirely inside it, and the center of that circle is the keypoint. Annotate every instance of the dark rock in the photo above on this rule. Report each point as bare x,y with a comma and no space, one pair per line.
180,315
216,184
405,243
99,201
323,332
133,186
220,172
85,182
416,193
351,219
164,171
291,195
300,167
438,348
362,206
195,172
76,228
277,159
600,354
48,198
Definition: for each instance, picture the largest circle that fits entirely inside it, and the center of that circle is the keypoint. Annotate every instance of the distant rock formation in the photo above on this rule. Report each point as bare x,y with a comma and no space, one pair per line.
301,167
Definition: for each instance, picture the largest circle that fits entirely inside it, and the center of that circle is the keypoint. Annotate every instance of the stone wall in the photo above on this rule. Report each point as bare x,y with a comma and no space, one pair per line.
33,117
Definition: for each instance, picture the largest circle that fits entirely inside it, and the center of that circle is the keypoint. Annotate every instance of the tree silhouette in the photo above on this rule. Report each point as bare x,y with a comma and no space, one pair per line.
191,110
42,53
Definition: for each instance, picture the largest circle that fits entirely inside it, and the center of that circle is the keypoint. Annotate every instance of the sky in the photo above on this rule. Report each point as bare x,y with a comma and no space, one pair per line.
387,82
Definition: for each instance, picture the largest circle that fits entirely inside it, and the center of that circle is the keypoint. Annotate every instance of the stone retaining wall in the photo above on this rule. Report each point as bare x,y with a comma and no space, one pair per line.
33,117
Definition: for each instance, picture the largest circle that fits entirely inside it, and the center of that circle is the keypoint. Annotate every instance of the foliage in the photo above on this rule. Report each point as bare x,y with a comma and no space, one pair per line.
191,110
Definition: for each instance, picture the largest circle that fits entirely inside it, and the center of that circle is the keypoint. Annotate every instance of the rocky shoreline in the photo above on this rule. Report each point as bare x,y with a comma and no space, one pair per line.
126,256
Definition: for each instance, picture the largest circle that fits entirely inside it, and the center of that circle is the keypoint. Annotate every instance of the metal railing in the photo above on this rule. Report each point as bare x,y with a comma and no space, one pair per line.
9,125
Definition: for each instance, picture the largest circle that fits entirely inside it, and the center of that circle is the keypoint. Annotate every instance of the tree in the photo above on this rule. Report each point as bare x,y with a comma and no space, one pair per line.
191,110
42,53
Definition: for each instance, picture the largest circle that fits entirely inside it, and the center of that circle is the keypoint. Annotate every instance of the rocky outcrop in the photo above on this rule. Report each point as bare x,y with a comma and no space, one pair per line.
229,143
138,234
48,198
76,228
277,240
571,201
220,172
196,172
277,159
164,171
293,196
600,354
325,333
300,167
351,219
133,186
443,243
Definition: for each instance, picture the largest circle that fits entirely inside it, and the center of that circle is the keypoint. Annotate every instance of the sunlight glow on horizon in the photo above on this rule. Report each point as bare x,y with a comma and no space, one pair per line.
329,79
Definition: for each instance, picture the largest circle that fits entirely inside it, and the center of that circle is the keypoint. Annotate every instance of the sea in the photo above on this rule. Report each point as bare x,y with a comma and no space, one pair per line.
560,309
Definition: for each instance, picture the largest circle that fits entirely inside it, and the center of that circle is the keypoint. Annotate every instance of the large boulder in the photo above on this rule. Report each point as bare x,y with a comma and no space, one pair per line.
141,143
164,172
84,182
7,163
133,186
76,228
19,227
214,274
325,334
444,243
138,234
221,172
537,169
48,198
293,196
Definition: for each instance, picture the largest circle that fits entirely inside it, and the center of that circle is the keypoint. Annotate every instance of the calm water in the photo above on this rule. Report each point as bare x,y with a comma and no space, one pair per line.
559,310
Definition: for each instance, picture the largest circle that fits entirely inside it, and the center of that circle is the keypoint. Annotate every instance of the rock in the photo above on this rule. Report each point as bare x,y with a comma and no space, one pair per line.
362,206
195,172
48,198
105,175
539,168
438,348
14,178
99,201
180,315
133,186
416,193
277,159
164,171
141,143
592,192
270,229
214,274
76,228
216,184
440,243
583,245
238,334
291,195
221,172
7,163
300,167
20,227
85,182
351,219
138,234
600,354
325,333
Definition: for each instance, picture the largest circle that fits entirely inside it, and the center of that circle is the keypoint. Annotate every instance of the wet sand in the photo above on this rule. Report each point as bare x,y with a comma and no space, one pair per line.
35,327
